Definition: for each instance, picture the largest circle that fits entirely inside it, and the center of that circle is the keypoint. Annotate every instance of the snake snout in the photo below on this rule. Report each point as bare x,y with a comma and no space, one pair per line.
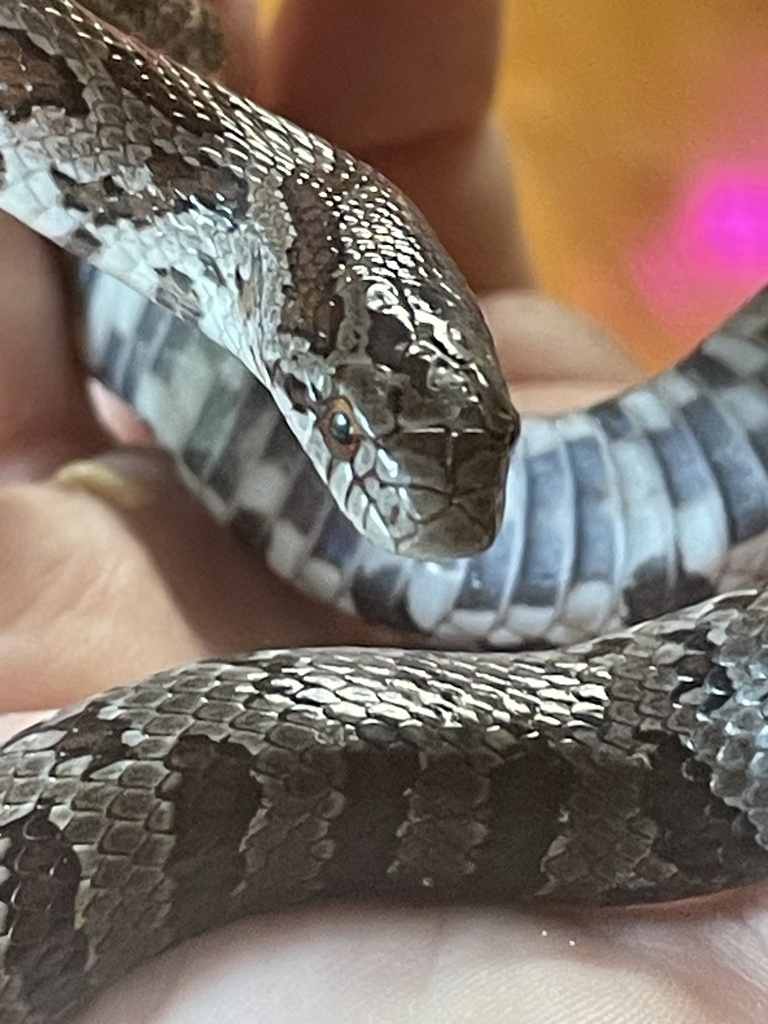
463,529
454,503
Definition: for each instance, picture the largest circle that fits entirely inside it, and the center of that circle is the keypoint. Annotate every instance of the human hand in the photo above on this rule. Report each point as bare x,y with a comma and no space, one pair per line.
96,593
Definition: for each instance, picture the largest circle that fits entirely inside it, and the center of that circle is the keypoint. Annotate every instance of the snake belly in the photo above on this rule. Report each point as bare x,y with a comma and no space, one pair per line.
624,769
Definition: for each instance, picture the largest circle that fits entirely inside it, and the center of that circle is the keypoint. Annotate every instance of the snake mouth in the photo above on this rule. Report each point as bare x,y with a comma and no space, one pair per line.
437,492
462,528
439,508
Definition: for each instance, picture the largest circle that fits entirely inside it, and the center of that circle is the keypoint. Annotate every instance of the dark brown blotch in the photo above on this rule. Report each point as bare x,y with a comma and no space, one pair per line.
377,780
154,82
33,78
297,393
45,950
387,345
190,33
214,796
86,734
711,845
525,802
176,291
187,184
312,309
105,200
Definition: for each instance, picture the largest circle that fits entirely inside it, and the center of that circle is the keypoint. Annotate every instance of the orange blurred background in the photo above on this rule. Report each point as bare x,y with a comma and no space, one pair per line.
639,135
639,138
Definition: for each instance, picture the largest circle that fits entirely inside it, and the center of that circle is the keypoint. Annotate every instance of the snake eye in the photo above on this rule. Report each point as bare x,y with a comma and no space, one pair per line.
340,429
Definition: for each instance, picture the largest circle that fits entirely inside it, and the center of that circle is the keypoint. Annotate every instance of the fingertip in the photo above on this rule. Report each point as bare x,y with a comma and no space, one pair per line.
243,65
45,416
539,339
408,88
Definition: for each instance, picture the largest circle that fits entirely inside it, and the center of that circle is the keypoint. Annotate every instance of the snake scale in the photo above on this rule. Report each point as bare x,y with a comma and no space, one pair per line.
624,769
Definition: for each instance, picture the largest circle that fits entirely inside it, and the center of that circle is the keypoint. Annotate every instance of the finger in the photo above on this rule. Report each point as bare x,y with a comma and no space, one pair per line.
45,418
384,74
553,357
242,44
127,574
408,87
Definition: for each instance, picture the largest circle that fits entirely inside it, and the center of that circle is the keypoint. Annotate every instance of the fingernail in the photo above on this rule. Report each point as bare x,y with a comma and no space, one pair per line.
104,481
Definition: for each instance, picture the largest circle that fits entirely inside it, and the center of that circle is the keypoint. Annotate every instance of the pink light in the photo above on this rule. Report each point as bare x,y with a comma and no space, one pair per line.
713,245
727,214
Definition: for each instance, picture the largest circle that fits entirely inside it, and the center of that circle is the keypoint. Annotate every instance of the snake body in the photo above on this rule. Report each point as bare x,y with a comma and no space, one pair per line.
628,768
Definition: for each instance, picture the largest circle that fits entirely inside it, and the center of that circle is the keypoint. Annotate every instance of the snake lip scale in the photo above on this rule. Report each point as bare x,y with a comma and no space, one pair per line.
296,337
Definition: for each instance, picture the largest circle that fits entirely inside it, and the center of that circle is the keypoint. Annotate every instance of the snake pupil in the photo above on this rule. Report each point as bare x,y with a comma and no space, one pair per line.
340,428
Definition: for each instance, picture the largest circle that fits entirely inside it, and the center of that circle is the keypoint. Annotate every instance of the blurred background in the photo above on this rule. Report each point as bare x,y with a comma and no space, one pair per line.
639,135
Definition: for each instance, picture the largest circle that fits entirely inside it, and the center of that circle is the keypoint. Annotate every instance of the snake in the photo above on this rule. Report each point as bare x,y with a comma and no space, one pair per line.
581,714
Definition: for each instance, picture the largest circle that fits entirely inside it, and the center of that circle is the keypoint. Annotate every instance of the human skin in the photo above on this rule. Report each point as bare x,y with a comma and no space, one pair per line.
101,587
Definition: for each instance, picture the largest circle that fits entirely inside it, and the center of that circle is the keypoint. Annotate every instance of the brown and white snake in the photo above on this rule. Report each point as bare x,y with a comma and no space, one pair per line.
628,768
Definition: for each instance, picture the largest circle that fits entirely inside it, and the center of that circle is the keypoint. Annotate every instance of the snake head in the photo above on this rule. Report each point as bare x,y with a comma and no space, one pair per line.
387,374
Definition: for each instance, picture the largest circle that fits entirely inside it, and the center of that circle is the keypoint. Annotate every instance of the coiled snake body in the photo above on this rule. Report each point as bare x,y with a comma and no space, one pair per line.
624,769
